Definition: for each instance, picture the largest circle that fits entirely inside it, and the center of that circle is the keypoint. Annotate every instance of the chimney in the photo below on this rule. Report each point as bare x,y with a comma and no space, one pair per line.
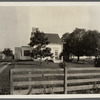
33,30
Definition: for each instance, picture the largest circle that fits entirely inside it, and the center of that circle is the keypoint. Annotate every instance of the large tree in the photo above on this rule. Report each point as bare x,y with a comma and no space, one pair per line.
77,47
39,41
66,46
91,42
81,42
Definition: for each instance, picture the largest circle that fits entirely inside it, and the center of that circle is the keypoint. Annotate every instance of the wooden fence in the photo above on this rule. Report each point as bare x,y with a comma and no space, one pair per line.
80,79
54,80
37,81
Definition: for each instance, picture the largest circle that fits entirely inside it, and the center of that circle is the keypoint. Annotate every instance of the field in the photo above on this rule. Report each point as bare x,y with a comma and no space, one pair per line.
5,75
5,80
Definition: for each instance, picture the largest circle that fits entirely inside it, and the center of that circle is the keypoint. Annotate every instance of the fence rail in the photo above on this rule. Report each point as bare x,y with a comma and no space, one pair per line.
53,80
37,80
83,78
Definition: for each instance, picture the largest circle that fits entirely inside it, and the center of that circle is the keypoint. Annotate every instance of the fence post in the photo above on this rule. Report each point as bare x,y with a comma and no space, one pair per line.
11,82
65,80
30,87
30,77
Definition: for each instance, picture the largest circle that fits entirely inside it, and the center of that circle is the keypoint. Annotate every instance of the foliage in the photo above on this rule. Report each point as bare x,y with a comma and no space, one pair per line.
8,52
76,42
65,37
66,46
81,43
39,42
38,39
97,62
73,43
91,43
38,53
62,64
46,52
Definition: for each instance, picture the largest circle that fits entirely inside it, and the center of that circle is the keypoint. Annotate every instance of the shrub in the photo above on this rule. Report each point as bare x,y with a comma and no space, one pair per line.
62,64
97,62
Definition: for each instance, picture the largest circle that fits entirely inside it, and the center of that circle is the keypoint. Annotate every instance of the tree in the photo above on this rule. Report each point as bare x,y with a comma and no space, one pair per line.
8,52
66,46
76,42
73,43
91,42
65,37
39,42
81,42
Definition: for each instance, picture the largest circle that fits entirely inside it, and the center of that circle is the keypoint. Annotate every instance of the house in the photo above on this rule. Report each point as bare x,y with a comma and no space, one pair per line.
56,45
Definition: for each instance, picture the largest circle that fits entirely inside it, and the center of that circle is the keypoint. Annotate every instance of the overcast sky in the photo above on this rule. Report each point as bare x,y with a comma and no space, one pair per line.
16,22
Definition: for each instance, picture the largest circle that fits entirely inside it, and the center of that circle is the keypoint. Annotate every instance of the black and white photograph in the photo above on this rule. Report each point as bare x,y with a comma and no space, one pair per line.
50,48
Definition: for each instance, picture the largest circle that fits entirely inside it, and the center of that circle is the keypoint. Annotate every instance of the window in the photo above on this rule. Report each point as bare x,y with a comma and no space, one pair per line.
56,55
26,53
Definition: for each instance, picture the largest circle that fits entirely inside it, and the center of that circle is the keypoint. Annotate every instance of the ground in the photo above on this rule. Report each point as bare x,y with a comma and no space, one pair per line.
79,64
5,74
5,79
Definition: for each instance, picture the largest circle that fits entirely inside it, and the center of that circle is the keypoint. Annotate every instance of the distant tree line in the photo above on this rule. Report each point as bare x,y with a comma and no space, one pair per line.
7,52
81,42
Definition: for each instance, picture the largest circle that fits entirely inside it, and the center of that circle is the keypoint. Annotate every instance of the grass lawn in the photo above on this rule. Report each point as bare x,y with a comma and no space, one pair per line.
5,81
32,64
79,65
5,75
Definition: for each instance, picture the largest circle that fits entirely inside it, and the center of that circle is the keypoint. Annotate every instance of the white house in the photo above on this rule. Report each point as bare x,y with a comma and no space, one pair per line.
56,45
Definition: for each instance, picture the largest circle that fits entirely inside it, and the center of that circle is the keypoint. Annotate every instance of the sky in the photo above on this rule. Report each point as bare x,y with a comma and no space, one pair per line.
16,22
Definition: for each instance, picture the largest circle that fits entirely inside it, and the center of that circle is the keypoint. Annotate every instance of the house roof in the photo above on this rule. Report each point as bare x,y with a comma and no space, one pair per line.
53,38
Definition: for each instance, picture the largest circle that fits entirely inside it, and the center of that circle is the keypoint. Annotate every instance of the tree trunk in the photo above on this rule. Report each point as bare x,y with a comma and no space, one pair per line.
68,57
78,58
40,57
96,57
